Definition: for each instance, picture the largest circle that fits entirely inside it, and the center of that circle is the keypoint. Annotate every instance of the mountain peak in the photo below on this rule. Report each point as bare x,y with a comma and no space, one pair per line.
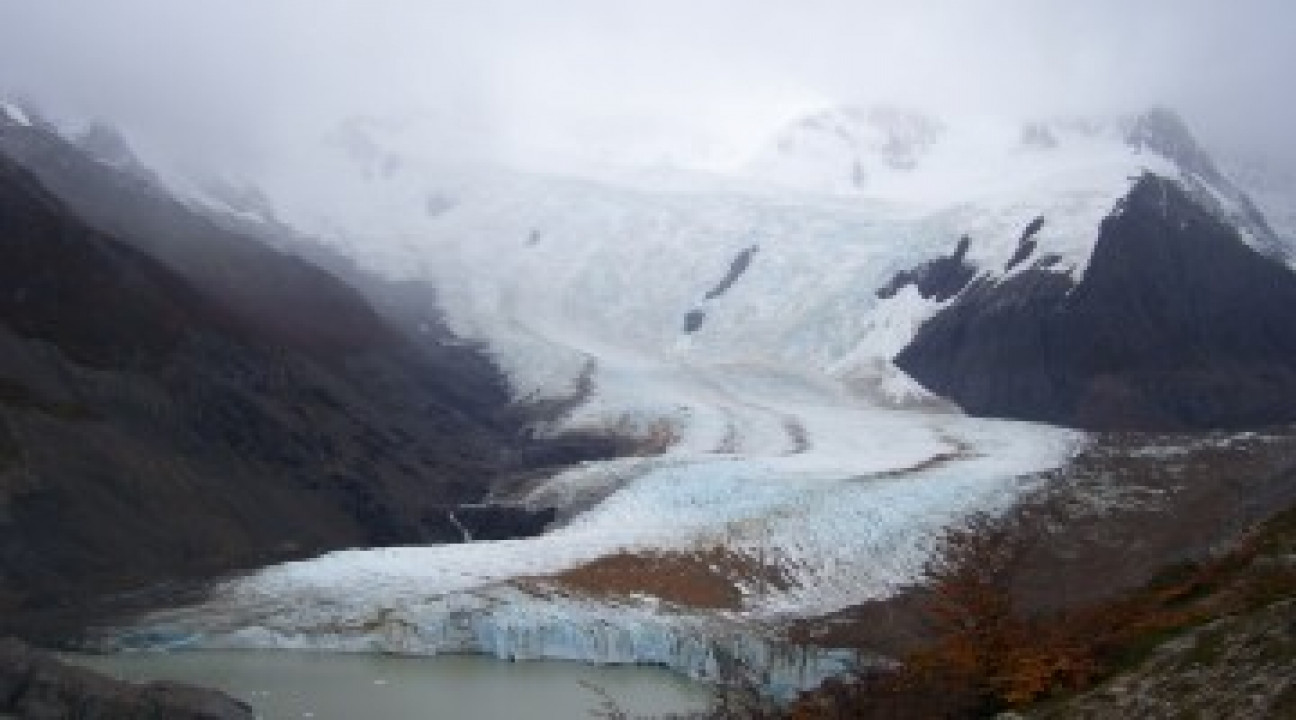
893,136
106,144
1162,131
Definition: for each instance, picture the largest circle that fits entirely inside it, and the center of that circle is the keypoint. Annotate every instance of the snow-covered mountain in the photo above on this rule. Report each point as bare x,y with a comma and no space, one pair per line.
774,267
792,341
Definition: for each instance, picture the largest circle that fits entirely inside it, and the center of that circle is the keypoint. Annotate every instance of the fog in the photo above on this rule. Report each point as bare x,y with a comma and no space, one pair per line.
638,80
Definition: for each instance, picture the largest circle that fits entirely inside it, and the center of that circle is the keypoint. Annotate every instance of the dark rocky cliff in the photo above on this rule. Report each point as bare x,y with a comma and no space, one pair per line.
1177,323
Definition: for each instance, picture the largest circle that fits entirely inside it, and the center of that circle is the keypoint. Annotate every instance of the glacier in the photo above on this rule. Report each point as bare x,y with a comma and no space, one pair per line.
785,431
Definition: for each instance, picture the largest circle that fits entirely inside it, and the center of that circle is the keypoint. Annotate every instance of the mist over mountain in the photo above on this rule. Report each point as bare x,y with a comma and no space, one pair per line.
506,80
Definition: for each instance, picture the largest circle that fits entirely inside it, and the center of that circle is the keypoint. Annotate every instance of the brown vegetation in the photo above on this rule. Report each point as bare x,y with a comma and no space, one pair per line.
711,579
989,654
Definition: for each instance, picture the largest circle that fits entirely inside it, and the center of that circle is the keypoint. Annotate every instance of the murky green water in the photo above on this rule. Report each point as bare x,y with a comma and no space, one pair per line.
328,686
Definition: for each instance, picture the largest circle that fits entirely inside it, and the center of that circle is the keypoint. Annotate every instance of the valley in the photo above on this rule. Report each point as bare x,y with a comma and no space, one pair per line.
713,423
748,343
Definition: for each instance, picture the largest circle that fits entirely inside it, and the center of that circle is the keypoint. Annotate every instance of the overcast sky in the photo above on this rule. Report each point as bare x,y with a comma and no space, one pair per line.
505,76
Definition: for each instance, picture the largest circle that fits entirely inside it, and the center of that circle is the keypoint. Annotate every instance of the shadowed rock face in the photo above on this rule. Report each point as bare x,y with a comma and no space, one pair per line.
1176,324
172,410
939,279
694,318
736,269
270,293
1026,244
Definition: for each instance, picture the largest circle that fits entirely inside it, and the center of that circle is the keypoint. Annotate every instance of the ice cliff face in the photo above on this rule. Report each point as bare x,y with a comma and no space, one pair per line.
515,625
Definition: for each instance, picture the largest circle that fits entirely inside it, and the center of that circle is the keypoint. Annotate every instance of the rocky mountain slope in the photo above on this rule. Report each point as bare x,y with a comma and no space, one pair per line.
177,399
1240,666
1176,323
1232,656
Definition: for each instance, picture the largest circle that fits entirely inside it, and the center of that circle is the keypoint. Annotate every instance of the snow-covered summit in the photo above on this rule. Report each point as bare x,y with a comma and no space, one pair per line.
989,163
887,152
848,150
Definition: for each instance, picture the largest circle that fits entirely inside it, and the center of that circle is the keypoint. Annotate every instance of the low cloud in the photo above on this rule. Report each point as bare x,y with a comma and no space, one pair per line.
506,78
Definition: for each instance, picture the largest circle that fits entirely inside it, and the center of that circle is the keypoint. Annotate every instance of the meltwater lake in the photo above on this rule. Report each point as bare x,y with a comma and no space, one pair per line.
343,686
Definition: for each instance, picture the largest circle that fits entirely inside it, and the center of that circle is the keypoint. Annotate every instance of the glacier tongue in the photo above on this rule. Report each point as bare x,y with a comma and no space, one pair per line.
847,520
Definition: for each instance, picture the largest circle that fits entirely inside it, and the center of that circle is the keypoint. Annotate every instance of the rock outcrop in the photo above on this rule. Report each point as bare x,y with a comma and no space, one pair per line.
37,686
939,279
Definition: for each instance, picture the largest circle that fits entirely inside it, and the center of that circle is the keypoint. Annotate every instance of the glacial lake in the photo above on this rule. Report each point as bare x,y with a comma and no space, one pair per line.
338,686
